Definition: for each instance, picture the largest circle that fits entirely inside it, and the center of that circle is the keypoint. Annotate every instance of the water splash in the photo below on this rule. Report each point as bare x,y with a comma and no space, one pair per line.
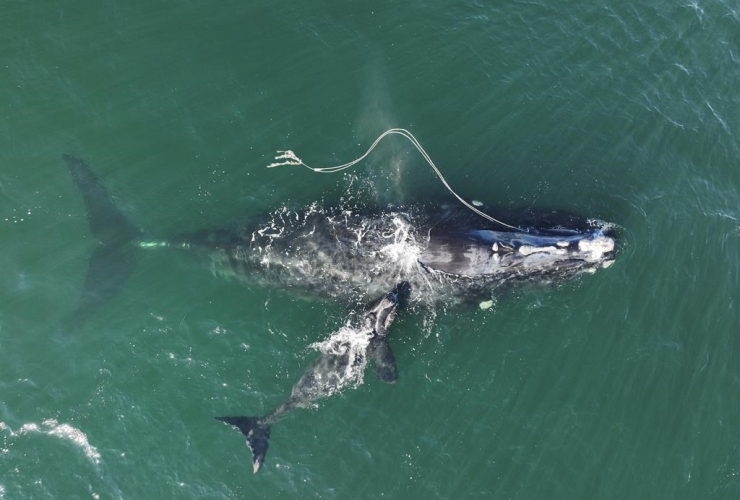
51,427
350,342
73,435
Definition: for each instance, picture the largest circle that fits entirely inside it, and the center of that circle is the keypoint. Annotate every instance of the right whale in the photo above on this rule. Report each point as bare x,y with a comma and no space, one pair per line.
331,371
350,254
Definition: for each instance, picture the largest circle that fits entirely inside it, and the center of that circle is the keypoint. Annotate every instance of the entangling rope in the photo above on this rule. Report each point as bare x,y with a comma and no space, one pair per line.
289,158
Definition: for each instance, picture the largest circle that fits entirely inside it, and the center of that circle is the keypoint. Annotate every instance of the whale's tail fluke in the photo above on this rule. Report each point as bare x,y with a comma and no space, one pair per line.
257,432
115,258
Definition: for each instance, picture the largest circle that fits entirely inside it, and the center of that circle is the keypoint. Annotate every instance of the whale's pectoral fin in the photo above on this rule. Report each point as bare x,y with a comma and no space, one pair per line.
114,259
257,433
385,364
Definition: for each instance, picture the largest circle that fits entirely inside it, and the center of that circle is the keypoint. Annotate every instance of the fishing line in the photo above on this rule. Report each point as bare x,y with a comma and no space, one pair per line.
289,158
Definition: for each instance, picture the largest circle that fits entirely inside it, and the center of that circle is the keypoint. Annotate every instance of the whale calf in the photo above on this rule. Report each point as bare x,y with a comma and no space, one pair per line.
332,371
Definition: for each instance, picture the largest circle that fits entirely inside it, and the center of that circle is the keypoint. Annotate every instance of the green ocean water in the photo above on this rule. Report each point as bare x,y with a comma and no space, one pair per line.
624,384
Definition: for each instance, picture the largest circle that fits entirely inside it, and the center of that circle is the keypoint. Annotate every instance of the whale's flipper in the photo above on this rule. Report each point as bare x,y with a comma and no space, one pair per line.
257,433
115,258
384,362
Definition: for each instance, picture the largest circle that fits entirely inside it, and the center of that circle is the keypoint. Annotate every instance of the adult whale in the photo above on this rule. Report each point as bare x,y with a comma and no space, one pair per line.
348,254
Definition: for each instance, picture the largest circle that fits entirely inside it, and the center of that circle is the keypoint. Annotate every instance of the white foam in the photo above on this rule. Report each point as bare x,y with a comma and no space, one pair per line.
63,431
26,428
402,251
352,342
603,225
73,435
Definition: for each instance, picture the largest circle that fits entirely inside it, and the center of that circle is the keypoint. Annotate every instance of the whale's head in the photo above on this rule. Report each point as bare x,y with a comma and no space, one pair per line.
381,314
505,254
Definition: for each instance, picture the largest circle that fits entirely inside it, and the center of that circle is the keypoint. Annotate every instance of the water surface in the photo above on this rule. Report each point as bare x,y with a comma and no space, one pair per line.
619,385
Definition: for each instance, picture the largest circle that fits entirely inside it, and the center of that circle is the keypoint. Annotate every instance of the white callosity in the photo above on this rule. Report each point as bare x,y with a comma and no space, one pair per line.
528,250
597,247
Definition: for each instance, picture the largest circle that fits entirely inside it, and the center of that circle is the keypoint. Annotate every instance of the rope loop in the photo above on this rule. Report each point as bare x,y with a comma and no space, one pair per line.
289,158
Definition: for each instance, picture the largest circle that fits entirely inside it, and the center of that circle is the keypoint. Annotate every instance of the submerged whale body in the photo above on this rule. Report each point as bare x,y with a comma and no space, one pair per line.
441,254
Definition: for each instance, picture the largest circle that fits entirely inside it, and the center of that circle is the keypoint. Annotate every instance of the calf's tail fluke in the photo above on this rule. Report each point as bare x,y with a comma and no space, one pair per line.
257,432
114,259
